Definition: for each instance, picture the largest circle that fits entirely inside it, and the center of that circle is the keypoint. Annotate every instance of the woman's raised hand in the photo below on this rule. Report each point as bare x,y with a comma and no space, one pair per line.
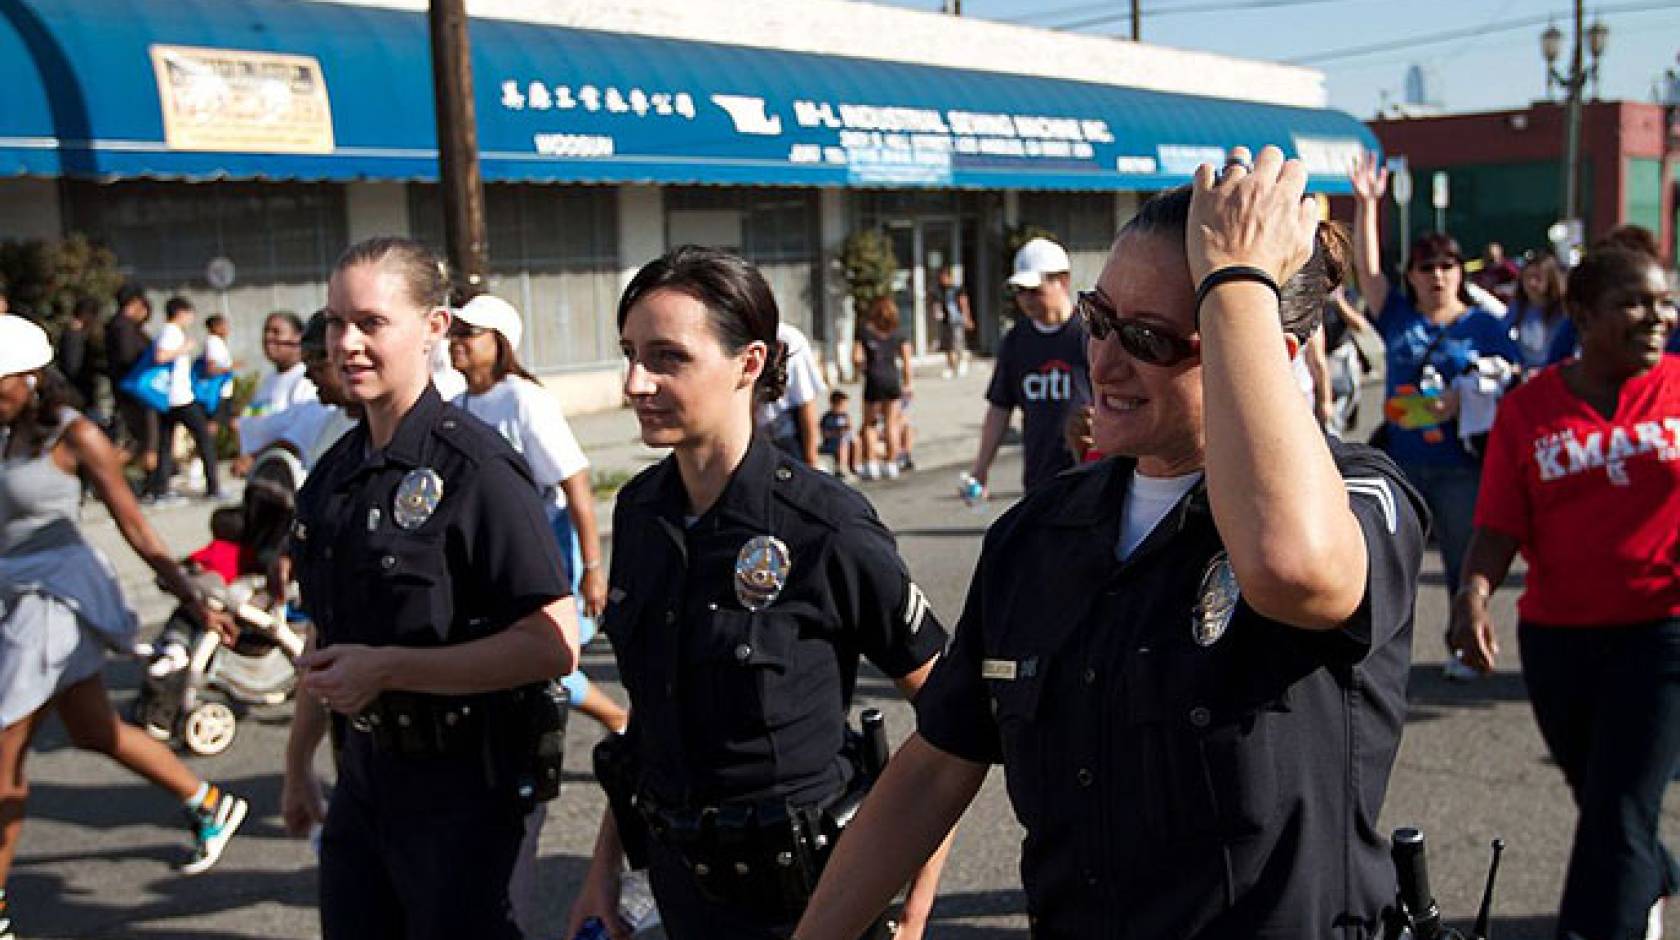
1255,217
1369,178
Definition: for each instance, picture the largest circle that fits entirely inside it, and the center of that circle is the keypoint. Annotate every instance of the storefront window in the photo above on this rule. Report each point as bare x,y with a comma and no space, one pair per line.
165,233
554,255
1082,221
775,229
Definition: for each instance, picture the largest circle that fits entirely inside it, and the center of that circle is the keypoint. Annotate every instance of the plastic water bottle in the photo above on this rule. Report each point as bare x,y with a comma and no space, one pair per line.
635,902
635,906
972,491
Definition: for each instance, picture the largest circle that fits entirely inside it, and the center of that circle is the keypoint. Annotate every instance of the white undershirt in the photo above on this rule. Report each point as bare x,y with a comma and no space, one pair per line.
1148,500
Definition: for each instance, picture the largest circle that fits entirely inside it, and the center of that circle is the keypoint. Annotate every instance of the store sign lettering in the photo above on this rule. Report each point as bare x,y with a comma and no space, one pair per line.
869,142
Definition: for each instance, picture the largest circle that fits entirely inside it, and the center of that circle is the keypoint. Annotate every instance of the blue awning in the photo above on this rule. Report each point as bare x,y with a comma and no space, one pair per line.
295,89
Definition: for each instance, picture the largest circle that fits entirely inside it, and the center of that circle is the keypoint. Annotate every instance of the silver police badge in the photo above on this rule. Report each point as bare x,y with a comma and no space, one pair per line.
1216,602
417,498
761,571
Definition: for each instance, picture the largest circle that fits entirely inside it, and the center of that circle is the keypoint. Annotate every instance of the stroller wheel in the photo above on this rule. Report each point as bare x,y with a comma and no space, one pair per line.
209,729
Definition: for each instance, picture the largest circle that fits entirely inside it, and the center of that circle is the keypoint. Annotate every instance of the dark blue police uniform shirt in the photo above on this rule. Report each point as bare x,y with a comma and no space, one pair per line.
484,559
1170,789
729,704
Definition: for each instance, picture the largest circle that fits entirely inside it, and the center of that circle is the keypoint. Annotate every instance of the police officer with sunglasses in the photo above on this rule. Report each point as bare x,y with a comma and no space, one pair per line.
1190,657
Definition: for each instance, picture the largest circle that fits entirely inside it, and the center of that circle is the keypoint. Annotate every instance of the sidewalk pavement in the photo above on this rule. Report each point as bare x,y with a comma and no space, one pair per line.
946,414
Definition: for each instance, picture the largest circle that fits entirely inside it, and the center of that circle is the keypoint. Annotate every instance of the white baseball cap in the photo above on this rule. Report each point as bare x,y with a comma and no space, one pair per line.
490,312
23,346
1037,258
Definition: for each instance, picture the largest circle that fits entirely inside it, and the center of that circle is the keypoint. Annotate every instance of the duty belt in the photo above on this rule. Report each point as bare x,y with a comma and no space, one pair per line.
764,856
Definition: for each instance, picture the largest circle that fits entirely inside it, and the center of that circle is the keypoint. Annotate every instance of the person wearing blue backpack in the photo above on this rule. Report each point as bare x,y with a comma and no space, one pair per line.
174,349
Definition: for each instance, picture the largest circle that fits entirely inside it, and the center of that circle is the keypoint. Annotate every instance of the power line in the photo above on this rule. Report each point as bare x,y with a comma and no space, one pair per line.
1224,6
1450,35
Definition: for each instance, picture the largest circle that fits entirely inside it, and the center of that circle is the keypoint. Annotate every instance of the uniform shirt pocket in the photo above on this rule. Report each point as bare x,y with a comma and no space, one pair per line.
407,588
1203,749
746,668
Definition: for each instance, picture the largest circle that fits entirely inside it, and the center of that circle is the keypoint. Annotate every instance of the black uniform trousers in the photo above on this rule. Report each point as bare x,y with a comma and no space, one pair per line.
417,849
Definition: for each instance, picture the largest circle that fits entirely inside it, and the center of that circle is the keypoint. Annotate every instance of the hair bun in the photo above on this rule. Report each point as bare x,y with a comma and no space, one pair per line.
772,382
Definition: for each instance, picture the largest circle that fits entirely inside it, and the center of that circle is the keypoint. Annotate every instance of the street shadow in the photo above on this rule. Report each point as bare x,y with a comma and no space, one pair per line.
979,904
964,532
1513,582
55,910
559,878
1529,927
112,806
1431,695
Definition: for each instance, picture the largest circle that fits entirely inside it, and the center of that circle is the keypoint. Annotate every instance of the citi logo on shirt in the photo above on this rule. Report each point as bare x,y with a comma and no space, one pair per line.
1566,454
1053,381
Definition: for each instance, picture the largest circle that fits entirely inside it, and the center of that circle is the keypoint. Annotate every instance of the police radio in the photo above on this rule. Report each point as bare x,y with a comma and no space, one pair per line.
1415,915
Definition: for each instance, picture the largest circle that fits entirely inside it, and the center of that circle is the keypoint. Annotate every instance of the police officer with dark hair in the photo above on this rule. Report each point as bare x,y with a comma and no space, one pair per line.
1190,658
744,587
441,614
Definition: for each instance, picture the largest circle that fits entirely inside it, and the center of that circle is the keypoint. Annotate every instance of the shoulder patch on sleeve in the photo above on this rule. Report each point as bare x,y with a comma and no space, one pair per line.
1378,489
915,608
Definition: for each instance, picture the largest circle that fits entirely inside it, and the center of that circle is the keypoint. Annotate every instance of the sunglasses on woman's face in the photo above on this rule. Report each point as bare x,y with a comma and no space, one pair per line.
1148,344
461,330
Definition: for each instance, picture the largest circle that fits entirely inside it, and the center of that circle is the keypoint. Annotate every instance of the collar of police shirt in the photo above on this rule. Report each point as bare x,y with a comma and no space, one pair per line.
745,499
407,446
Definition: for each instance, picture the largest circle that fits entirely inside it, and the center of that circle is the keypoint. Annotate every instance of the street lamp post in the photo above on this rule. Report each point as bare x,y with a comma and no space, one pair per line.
1594,40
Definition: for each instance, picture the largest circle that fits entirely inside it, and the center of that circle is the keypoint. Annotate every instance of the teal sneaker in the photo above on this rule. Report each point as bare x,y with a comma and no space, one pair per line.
213,826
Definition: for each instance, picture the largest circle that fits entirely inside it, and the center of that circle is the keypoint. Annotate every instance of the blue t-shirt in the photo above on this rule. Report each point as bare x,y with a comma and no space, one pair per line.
1408,336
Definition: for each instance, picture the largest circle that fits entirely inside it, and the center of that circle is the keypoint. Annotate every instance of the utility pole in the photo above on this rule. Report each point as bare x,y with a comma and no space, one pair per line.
1572,144
457,128
953,7
1137,20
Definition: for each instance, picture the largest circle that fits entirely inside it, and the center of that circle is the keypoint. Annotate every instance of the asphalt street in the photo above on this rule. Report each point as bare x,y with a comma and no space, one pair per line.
95,855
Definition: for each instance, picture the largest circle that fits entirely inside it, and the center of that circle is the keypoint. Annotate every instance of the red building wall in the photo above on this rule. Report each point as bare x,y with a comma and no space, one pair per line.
1611,133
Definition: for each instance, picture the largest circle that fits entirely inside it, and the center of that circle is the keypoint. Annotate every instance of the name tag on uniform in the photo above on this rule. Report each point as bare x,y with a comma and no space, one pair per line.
1008,669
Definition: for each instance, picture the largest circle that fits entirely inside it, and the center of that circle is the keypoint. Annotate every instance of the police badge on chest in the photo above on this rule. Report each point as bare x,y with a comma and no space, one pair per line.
761,571
1216,602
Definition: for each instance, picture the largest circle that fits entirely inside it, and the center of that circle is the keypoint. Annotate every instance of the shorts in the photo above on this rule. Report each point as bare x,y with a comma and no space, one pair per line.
950,336
876,391
830,446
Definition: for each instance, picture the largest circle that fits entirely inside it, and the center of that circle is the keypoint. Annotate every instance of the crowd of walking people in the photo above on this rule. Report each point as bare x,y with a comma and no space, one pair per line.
1184,463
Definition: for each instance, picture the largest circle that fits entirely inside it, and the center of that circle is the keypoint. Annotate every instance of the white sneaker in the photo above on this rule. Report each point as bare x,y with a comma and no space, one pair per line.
946,373
962,367
1654,922
213,826
870,471
891,470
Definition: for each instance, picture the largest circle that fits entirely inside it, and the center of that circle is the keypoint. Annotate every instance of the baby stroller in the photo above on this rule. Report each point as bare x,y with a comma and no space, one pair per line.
195,688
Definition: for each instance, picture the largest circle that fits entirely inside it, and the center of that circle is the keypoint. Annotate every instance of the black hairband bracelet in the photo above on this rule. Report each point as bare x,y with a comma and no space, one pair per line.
1235,272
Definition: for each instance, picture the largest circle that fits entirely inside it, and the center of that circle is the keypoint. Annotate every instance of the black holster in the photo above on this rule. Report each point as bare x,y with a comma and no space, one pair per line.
534,731
619,773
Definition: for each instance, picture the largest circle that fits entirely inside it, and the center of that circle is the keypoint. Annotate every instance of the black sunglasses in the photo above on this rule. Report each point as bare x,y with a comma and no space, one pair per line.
1142,342
459,329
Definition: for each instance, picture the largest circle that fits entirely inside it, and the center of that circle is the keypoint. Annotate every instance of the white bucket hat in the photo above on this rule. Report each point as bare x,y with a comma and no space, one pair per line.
490,312
23,346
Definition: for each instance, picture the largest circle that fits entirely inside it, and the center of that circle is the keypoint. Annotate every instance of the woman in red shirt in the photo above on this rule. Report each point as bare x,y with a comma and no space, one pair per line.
1582,475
